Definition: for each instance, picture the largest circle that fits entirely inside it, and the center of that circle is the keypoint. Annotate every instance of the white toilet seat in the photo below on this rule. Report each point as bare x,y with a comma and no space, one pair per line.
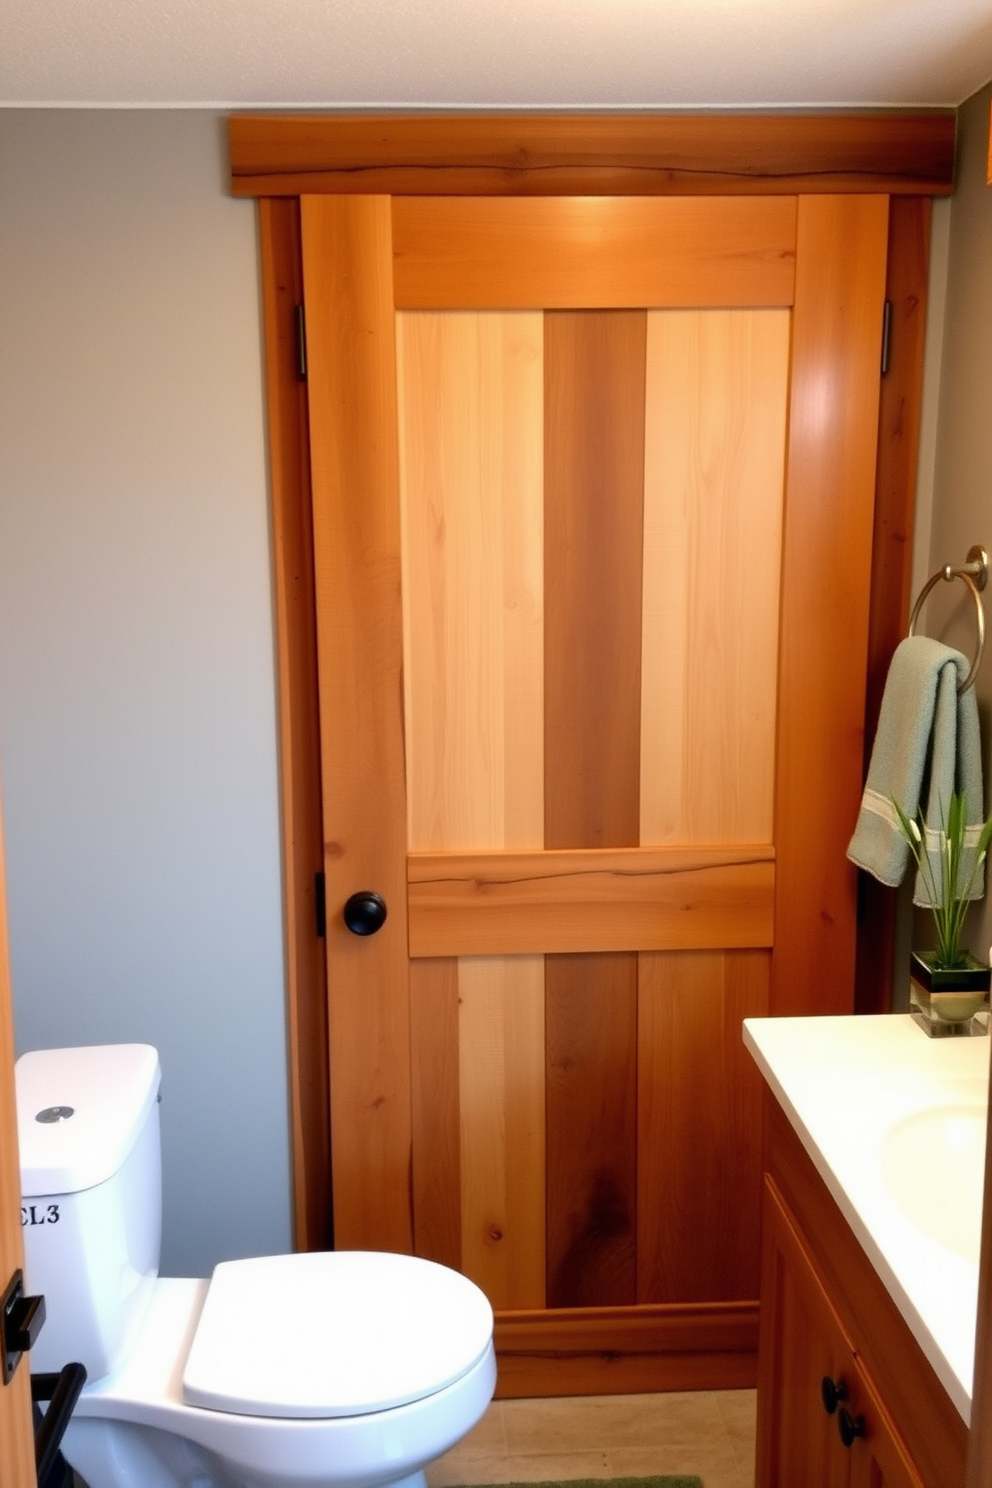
278,1452
333,1333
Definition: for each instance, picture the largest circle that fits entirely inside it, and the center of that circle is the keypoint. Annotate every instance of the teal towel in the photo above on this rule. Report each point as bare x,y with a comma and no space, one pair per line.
927,746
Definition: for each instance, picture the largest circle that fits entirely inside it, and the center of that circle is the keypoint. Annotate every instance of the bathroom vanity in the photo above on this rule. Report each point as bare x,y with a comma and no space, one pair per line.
872,1219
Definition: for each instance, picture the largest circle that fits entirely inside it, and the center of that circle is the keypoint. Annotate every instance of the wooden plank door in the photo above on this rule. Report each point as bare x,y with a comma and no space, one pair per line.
16,1430
592,486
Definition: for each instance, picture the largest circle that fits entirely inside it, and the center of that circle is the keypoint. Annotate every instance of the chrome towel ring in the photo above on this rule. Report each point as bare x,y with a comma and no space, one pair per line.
975,574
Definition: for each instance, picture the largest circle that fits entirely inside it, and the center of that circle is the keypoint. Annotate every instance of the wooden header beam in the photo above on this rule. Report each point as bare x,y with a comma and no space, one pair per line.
633,154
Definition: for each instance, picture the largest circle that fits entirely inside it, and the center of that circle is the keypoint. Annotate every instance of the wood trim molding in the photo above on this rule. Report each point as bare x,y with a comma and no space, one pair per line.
590,899
550,154
892,546
616,1350
299,732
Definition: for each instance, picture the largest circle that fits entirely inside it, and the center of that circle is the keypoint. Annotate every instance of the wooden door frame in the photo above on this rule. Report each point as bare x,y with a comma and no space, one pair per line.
276,158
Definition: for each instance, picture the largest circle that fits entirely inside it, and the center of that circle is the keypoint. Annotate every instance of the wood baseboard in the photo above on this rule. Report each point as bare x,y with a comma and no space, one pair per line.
627,1350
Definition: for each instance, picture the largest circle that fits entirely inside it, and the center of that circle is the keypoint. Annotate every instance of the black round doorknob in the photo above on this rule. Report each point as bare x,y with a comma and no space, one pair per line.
832,1392
365,912
850,1427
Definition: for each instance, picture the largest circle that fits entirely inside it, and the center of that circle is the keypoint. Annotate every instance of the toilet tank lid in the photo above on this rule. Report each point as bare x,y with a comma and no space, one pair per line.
109,1090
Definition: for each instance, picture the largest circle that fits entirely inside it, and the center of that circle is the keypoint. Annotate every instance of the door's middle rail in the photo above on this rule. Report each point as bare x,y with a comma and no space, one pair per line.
590,899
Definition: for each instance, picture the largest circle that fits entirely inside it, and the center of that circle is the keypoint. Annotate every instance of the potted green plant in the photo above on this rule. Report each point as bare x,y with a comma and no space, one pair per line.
949,986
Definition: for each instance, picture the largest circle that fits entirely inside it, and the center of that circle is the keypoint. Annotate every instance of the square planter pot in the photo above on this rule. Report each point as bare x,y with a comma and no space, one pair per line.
949,1003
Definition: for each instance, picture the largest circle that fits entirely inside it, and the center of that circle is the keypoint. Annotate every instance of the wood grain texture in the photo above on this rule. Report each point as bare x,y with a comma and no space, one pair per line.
624,1350
355,475
299,728
699,1142
613,899
562,253
935,1434
594,498
714,473
471,460
591,1053
501,1042
16,1429
555,154
830,480
802,1342
892,546
434,1099
593,488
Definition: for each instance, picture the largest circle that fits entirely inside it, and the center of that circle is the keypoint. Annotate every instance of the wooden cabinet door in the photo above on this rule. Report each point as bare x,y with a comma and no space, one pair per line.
593,487
802,1343
878,1458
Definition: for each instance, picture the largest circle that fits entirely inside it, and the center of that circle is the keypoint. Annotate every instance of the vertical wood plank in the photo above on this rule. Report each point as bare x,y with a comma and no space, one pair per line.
594,485
299,729
471,439
471,453
592,1129
830,491
434,1075
892,545
16,1431
355,477
699,1126
714,472
594,495
501,1055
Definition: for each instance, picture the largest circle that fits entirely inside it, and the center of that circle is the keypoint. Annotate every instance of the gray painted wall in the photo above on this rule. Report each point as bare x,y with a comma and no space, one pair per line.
960,504
137,707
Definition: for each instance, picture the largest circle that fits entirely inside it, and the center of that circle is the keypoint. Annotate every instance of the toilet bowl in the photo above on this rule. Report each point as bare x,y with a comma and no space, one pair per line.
346,1368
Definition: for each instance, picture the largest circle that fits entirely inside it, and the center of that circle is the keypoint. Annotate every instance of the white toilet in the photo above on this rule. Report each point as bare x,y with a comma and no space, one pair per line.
340,1369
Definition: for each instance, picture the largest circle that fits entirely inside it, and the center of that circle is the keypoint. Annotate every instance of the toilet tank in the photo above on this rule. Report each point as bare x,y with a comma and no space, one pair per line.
91,1198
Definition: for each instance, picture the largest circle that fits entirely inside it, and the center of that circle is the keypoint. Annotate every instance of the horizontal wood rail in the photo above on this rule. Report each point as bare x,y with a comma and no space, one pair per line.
556,253
603,1350
632,154
590,899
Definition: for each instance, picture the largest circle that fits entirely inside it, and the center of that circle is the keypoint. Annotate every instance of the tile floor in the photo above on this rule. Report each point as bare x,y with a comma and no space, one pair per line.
604,1436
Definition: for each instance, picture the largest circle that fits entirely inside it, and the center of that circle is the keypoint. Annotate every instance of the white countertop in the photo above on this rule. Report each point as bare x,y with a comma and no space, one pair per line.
848,1085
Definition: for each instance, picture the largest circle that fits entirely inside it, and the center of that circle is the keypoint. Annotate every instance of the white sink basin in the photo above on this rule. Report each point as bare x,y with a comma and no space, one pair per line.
933,1163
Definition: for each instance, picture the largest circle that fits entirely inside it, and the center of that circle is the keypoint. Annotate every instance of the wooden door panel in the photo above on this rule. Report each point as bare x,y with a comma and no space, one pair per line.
699,1135
347,256
435,1093
590,899
501,1051
558,567
826,583
544,253
591,1058
714,461
471,464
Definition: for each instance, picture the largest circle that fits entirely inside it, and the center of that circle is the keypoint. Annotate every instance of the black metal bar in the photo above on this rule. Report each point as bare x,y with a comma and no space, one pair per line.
62,1390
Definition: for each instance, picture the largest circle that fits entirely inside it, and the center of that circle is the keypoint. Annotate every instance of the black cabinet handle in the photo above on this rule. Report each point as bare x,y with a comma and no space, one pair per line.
62,1390
832,1392
850,1427
365,913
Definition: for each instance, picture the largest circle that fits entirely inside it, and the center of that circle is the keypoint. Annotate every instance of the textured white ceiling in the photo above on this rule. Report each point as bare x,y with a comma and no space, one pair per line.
493,53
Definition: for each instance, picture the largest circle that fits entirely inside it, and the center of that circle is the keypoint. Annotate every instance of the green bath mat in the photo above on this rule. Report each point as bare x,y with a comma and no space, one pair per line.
667,1480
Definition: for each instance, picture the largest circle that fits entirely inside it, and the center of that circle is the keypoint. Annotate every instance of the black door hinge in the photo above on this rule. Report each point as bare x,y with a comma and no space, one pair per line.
21,1320
301,343
320,904
886,335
